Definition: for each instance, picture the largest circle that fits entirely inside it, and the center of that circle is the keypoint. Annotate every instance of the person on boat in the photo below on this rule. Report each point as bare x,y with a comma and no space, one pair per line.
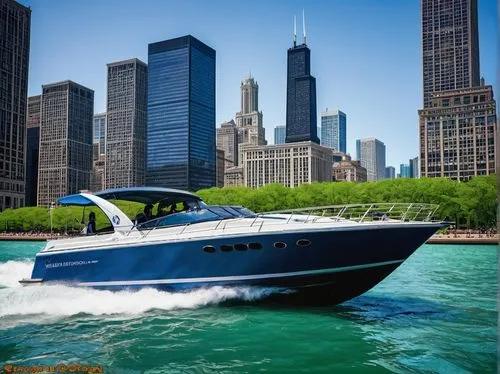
173,208
161,209
146,216
91,229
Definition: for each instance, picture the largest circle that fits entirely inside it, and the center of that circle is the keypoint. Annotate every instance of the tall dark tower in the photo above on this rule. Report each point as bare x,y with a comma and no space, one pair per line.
15,24
450,46
181,114
301,120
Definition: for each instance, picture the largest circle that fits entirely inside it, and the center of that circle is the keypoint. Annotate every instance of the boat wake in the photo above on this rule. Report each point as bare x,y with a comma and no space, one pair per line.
62,300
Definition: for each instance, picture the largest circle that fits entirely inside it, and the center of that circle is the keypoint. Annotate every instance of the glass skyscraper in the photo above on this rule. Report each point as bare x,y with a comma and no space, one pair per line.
99,135
404,171
333,130
414,167
301,117
181,114
390,172
279,134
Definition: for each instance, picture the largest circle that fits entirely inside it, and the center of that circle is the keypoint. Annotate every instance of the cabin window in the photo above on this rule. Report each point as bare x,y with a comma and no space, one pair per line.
279,245
254,245
241,247
226,248
209,248
303,242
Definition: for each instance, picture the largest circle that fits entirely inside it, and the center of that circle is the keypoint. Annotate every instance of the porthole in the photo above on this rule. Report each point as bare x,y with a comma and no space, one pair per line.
303,242
279,245
209,248
226,248
241,247
254,245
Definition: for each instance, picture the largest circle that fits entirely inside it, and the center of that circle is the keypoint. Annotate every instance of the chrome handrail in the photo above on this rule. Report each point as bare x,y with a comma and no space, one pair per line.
361,213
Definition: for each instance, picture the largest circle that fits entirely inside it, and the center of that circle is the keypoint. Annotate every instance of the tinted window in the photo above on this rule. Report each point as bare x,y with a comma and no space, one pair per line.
220,211
244,211
181,218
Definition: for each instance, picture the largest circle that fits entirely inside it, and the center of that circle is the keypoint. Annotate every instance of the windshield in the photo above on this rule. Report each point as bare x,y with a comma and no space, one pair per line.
181,218
207,213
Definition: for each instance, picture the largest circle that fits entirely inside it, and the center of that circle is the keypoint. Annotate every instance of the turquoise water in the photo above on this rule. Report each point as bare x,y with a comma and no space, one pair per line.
436,313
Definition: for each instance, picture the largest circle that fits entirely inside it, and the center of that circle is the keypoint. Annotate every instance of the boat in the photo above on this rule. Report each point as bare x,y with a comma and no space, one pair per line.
321,255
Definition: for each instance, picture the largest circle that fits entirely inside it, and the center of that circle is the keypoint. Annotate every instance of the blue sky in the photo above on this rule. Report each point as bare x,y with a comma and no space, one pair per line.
365,54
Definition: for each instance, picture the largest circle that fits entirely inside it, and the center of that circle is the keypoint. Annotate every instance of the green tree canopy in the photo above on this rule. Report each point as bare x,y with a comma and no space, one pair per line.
471,204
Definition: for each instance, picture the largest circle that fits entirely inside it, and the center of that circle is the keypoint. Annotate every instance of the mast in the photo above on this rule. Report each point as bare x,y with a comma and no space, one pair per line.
294,31
304,26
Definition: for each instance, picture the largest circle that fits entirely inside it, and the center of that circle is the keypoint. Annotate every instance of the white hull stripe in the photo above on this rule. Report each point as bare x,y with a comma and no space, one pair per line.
237,277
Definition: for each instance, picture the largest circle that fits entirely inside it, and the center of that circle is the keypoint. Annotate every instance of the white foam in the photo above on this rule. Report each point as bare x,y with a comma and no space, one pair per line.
61,300
11,272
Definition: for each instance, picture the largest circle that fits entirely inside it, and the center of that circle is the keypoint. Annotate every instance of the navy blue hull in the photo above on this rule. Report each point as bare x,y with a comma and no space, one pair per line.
325,267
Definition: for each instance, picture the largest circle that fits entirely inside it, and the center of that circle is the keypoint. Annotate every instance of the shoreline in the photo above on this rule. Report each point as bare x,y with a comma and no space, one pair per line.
464,239
30,237
435,239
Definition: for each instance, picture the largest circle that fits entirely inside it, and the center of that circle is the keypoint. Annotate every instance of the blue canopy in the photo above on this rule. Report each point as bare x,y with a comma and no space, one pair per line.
145,195
76,199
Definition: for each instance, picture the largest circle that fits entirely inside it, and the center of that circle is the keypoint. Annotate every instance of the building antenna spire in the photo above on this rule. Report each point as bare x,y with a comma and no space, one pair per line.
294,31
304,26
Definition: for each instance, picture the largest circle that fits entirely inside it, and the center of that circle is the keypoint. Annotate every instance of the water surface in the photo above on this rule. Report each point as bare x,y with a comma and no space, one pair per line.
436,313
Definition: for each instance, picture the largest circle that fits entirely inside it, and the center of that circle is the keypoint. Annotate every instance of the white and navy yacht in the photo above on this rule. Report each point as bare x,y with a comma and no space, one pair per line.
321,255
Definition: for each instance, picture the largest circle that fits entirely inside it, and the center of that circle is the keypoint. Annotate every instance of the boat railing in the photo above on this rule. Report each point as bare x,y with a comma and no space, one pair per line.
383,212
400,212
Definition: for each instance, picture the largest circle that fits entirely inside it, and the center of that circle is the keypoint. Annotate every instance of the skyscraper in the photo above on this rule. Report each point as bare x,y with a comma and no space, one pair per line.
220,167
126,107
414,167
450,46
301,120
371,153
279,134
333,130
65,160
249,120
15,23
99,135
390,172
181,114
404,171
458,124
227,140
32,148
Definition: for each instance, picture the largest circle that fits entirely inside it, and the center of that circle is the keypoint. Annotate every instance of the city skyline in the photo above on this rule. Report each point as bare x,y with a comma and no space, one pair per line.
361,93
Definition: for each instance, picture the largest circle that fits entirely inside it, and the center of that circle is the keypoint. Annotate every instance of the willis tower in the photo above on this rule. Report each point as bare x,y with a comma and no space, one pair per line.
301,120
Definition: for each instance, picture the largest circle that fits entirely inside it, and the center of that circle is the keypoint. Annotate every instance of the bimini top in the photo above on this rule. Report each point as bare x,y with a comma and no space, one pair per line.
119,220
145,195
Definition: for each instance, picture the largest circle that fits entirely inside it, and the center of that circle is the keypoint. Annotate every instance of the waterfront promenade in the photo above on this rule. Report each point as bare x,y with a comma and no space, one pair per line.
4,236
464,238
